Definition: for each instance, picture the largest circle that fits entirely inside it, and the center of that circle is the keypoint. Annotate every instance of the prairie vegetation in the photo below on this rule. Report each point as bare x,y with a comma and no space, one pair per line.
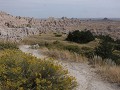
50,41
20,71
102,56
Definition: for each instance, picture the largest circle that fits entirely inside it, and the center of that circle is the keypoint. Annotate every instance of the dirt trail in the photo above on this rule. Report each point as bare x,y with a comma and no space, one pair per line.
84,74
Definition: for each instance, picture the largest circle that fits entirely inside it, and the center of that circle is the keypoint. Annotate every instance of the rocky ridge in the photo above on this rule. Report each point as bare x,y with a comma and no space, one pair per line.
15,28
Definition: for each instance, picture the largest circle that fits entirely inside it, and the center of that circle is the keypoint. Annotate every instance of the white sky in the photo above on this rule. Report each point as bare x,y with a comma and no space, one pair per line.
59,8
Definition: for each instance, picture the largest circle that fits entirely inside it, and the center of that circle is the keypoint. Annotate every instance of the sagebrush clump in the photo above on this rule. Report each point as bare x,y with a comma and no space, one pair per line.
20,71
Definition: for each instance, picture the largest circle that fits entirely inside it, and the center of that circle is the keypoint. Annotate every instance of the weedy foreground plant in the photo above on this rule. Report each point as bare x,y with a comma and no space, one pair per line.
20,71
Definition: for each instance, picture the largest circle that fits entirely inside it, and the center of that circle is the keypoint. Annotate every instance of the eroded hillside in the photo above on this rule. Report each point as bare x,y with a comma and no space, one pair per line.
16,28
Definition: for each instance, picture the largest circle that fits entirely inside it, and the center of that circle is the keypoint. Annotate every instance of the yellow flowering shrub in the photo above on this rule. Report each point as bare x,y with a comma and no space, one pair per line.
20,71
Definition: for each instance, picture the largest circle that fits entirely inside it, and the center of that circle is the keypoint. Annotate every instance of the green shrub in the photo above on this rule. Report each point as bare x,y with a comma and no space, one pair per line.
105,38
20,71
104,50
80,36
8,45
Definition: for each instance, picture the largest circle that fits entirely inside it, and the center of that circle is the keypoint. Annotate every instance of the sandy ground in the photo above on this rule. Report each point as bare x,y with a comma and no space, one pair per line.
85,75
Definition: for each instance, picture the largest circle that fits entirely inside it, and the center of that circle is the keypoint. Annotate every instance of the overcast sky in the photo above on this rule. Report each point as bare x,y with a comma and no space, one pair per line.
59,8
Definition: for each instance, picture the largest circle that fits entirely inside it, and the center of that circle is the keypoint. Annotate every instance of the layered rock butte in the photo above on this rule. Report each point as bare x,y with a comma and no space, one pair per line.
15,28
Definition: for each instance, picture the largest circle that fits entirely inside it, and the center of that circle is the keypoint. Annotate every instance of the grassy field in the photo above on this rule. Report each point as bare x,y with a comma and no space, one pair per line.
51,41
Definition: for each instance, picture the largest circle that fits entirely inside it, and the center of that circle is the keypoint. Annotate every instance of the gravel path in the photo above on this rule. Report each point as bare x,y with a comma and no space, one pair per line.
84,74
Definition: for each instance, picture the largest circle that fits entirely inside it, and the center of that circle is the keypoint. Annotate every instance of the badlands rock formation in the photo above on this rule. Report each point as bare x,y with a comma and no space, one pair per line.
15,28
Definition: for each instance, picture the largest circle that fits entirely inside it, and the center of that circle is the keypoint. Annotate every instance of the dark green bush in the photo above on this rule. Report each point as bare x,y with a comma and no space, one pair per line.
116,58
80,36
117,47
106,38
20,71
117,41
104,50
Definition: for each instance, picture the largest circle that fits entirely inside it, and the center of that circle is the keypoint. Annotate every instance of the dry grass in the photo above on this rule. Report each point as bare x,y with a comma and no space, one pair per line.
63,55
112,73
108,69
50,38
42,38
